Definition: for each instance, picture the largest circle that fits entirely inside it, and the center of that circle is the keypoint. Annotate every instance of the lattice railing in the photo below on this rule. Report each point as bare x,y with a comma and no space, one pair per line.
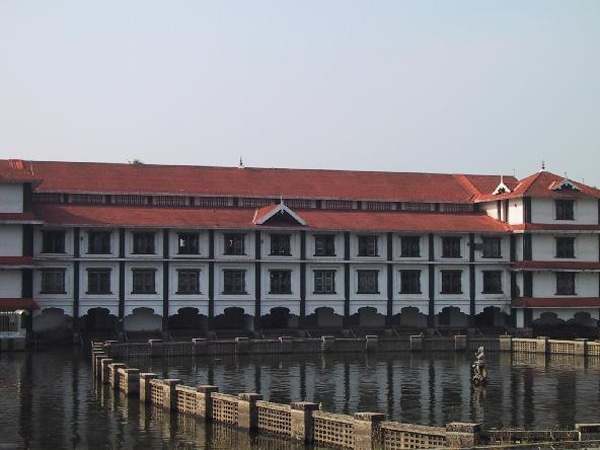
334,429
187,399
225,408
274,417
405,436
157,392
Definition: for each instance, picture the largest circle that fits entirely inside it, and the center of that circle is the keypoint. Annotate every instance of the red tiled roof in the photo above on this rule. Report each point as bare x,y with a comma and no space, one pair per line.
17,217
16,261
131,216
16,171
250,182
484,185
541,184
554,227
557,265
12,304
557,302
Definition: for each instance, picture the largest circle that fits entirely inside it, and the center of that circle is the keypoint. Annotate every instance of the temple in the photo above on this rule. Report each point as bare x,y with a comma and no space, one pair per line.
119,249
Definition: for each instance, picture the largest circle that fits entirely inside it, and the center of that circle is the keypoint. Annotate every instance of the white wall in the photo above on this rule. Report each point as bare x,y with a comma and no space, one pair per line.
544,247
515,211
543,210
11,240
10,284
11,198
339,247
265,245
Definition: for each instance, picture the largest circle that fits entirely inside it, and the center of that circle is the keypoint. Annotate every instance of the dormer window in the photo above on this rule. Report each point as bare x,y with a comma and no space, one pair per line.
502,188
565,209
565,185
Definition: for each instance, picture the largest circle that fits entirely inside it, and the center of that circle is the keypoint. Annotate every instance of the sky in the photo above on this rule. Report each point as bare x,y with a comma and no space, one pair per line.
461,86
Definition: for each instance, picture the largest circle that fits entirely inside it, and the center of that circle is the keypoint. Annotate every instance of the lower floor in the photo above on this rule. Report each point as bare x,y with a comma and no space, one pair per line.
144,322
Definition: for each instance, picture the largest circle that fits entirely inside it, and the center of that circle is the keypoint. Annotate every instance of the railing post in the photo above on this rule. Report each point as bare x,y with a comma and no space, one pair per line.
113,370
204,406
302,421
460,342
286,344
505,343
131,381
367,430
327,343
104,370
170,398
247,410
242,345
416,342
145,387
542,344
371,343
588,431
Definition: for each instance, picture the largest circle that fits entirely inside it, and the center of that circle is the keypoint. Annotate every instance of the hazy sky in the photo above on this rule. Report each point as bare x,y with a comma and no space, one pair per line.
427,86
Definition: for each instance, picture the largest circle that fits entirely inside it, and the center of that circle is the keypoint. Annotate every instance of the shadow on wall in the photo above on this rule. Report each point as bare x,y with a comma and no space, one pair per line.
52,325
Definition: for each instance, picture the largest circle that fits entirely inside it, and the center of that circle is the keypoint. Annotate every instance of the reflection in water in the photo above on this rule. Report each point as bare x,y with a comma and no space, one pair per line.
49,399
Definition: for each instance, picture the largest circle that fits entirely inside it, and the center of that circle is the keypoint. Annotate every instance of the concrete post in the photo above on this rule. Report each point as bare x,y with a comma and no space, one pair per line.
327,343
581,347
460,342
132,381
111,350
97,366
170,398
506,343
145,388
367,430
242,345
113,370
372,343
156,347
247,410
200,346
416,342
104,373
463,435
204,406
542,344
302,421
286,344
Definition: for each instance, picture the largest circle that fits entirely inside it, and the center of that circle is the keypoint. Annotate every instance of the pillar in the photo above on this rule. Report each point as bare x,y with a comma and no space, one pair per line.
145,388
416,342
302,421
247,410
372,342
286,344
327,343
170,397
506,343
460,342
199,346
367,430
242,345
204,406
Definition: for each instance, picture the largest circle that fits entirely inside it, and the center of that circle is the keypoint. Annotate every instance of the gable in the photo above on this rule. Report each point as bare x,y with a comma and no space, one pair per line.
277,215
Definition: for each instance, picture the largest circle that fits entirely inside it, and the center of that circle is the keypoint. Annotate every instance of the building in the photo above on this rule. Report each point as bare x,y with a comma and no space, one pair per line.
96,247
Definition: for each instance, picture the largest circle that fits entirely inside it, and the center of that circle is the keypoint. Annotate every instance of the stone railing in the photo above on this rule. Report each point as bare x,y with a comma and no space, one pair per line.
305,422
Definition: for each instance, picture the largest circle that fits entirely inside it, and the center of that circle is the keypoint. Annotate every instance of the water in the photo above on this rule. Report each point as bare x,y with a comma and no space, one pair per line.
50,400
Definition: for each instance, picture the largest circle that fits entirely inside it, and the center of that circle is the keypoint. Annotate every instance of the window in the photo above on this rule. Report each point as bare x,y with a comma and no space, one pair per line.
451,247
565,283
368,281
367,245
234,281
492,247
492,282
188,244
98,242
451,282
324,282
410,246
565,247
98,281
188,281
281,281
324,245
280,244
144,281
53,241
410,281
143,243
234,244
565,209
53,281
